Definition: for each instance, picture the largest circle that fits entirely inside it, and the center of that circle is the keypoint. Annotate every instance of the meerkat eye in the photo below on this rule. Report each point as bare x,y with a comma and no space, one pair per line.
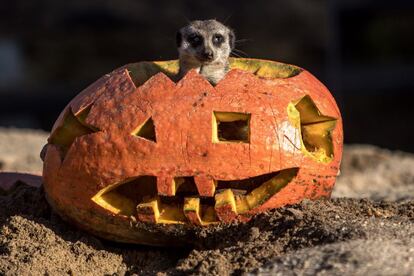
218,39
195,39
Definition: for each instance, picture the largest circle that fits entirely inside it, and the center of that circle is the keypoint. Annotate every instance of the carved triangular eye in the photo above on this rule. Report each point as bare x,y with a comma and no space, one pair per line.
146,130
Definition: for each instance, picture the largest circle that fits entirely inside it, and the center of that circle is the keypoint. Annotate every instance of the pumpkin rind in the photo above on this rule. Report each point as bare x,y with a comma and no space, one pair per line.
137,127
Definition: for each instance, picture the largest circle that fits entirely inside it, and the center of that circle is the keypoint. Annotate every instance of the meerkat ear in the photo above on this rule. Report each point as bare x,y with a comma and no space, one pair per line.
178,38
232,39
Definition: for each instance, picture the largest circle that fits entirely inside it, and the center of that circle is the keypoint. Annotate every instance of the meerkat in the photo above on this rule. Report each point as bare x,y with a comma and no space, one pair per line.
205,45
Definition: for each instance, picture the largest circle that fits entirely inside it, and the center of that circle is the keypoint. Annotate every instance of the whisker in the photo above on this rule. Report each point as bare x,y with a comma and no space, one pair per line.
242,40
228,17
186,19
240,52
237,55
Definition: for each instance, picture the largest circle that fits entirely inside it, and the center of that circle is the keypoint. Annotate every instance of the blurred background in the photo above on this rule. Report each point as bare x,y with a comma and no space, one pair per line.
362,50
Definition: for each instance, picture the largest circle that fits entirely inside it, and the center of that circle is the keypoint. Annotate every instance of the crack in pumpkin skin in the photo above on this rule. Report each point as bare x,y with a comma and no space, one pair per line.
123,104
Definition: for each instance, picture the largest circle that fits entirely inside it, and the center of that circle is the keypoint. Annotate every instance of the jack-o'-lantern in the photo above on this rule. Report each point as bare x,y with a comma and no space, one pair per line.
138,145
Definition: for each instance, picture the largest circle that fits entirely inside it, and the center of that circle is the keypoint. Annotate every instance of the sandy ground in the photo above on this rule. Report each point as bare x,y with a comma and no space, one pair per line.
19,149
371,232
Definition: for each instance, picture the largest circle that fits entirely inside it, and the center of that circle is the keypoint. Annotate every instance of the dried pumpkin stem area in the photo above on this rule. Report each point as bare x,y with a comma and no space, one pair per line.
140,198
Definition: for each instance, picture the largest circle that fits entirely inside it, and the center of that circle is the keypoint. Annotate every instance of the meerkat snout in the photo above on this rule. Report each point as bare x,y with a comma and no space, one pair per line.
205,46
207,55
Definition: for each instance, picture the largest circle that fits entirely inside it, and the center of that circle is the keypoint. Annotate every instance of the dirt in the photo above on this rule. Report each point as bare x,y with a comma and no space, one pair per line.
362,235
378,174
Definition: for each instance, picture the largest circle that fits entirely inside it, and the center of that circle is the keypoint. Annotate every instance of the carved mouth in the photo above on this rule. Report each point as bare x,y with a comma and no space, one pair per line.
139,197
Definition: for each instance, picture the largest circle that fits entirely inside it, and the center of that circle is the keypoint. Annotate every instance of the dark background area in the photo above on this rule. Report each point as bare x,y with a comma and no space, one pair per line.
362,50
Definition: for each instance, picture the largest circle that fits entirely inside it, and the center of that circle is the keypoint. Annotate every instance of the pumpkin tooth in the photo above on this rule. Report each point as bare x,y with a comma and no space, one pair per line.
148,211
166,186
206,186
225,206
192,210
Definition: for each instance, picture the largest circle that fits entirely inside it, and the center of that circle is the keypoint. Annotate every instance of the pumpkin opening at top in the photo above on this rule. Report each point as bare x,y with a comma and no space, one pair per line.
140,143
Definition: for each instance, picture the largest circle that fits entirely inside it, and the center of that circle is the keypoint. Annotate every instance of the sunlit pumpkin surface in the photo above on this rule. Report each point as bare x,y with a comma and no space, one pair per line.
141,145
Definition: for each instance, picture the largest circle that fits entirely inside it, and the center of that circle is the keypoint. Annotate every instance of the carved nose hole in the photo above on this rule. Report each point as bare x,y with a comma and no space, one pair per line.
231,127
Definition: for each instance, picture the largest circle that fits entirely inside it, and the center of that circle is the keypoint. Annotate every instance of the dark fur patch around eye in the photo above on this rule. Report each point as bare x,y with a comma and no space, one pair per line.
178,39
195,39
218,39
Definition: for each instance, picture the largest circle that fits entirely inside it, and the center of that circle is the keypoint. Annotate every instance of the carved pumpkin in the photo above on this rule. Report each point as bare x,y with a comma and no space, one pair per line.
137,146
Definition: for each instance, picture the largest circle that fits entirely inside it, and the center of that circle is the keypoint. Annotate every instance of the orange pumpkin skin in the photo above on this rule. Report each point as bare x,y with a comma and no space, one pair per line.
109,151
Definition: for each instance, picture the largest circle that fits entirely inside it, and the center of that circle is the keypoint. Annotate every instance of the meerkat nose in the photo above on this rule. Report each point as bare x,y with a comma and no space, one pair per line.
208,54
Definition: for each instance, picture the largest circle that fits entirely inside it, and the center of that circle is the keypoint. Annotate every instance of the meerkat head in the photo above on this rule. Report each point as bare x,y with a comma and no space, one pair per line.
205,42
